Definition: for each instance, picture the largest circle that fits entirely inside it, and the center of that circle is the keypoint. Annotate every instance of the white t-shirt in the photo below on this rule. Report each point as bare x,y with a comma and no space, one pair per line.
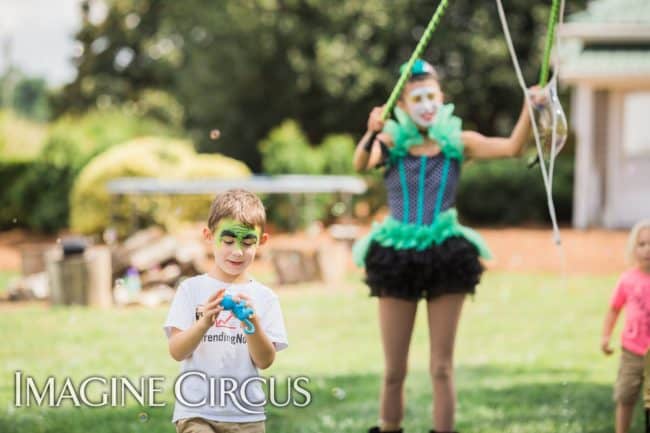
222,362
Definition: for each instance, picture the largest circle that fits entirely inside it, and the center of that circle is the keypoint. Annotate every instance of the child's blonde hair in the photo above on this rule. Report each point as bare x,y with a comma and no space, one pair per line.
238,204
631,240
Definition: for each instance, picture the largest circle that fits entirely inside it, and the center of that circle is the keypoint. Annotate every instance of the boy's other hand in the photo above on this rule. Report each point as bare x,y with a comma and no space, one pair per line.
212,308
249,303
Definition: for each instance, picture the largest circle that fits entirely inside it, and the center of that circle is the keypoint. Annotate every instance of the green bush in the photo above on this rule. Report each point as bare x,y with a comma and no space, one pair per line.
161,106
34,195
155,157
20,139
287,150
75,140
37,193
507,192
338,151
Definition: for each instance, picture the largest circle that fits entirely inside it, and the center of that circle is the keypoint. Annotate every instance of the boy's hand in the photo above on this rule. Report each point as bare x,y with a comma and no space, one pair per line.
375,121
212,309
249,303
604,346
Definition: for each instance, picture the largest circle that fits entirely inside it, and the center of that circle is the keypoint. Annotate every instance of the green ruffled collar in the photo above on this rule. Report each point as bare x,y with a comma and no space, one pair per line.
445,131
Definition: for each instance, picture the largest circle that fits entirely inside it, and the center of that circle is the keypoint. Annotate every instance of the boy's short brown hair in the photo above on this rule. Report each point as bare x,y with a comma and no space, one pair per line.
238,204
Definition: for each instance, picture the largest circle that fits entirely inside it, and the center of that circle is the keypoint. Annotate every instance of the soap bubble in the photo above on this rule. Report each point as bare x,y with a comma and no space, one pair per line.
551,120
338,393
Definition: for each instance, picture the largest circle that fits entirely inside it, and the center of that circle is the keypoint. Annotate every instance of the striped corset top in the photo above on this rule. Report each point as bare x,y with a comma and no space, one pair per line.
419,188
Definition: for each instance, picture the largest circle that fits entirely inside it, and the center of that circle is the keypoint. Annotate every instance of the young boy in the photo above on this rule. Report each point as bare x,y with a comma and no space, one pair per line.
218,389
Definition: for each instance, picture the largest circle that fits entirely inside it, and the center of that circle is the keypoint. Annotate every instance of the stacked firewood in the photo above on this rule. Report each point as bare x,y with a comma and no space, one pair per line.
144,269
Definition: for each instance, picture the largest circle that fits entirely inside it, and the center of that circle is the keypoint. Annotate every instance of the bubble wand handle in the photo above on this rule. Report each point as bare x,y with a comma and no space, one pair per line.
548,46
419,49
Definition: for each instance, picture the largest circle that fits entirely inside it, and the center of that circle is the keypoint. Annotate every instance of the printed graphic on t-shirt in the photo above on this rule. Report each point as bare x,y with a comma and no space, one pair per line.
226,320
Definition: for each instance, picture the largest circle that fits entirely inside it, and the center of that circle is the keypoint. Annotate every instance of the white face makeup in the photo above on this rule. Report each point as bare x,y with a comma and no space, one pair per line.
422,105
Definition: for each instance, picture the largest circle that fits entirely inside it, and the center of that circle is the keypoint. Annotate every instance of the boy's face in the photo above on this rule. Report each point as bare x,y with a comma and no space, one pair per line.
421,99
234,245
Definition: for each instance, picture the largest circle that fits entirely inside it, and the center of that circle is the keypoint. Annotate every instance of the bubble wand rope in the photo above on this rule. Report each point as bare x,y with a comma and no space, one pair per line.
543,73
547,181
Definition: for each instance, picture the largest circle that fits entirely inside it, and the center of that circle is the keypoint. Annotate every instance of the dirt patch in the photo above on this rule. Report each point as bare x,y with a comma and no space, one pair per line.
595,252
13,241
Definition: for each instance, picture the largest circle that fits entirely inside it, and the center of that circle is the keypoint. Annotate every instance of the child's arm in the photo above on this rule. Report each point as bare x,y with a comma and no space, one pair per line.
365,158
183,343
479,146
259,345
608,327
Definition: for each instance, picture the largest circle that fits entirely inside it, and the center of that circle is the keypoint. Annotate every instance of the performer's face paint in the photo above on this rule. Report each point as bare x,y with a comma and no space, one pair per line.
422,101
235,245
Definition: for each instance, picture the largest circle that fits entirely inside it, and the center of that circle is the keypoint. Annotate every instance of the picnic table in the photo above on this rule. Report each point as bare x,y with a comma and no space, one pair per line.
300,188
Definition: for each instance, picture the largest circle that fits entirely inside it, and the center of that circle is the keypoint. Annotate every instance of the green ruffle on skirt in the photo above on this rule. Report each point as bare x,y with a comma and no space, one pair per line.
398,235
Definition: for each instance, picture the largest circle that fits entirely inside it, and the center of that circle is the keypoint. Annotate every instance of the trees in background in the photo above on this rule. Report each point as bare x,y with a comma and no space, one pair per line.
244,66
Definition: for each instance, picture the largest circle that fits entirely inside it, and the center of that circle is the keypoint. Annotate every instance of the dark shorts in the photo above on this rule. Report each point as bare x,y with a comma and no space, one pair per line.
449,268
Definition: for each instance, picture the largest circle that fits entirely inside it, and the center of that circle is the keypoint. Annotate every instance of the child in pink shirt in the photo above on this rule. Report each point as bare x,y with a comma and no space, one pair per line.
633,292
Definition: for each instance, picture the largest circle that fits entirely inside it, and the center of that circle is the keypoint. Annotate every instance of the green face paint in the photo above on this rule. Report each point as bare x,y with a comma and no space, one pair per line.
229,231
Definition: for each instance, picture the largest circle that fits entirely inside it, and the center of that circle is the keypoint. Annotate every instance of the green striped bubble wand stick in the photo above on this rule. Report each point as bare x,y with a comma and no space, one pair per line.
406,72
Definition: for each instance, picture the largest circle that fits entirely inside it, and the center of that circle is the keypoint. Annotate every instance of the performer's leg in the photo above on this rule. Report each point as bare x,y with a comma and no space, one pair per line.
444,314
396,317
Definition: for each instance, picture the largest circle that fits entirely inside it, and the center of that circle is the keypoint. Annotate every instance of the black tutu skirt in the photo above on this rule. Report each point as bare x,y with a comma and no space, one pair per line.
449,268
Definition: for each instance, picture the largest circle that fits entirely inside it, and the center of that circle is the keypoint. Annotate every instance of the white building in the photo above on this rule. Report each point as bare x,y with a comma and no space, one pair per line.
606,61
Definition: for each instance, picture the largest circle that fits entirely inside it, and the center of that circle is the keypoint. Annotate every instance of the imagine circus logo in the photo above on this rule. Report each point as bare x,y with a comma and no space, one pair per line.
114,391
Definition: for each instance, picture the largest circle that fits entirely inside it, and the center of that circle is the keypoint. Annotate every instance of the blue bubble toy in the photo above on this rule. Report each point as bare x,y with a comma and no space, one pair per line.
241,311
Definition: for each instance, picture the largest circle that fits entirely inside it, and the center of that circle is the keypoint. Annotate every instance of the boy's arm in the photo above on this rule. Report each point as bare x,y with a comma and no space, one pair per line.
183,343
608,327
260,346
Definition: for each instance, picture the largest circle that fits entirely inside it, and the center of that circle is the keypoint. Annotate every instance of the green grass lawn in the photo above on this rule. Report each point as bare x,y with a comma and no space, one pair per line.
527,358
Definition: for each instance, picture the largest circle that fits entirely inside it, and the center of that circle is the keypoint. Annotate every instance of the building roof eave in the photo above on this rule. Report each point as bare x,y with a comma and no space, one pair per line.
605,32
629,81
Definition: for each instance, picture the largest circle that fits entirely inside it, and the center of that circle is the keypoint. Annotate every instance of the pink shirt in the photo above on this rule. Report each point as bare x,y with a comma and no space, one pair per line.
633,292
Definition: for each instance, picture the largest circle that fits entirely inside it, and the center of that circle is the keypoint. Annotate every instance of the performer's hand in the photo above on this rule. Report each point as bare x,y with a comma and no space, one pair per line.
604,346
537,95
375,121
